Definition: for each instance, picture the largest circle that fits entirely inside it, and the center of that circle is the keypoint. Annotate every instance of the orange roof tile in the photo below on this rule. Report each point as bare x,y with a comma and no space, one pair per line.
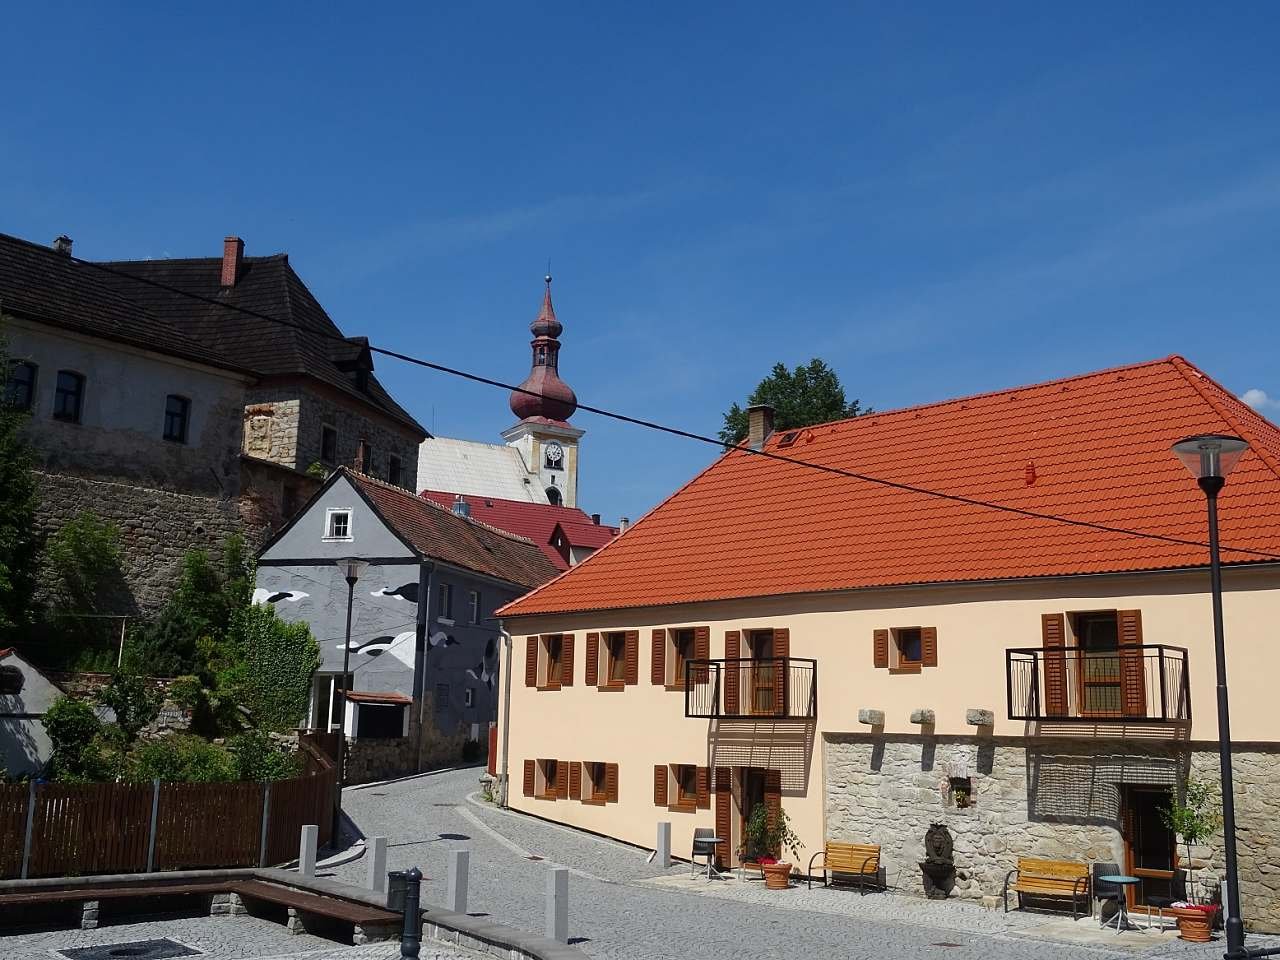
1093,448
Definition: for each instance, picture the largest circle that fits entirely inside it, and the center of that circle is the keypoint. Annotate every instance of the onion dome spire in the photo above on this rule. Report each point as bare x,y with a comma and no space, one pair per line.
549,399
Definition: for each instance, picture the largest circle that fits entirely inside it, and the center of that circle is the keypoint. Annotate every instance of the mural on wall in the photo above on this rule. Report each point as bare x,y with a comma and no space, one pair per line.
261,596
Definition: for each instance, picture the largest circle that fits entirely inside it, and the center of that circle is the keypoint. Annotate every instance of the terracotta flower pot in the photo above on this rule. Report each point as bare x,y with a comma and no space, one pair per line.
777,876
1195,926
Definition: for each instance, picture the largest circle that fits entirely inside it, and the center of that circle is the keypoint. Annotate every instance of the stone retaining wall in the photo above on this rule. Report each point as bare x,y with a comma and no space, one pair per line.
1044,797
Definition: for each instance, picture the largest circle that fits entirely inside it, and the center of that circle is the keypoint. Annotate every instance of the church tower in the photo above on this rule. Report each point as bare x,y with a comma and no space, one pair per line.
544,403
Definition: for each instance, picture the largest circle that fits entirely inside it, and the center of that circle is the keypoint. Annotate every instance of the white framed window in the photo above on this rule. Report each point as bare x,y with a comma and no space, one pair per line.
473,601
337,523
444,602
469,697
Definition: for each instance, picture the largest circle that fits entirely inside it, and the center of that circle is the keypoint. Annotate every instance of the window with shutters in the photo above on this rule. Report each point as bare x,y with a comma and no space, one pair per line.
548,783
906,649
906,644
1097,663
681,650
595,782
614,651
684,787
553,647
550,661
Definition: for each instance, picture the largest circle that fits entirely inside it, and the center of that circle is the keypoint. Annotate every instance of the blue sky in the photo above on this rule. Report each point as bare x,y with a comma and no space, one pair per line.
937,201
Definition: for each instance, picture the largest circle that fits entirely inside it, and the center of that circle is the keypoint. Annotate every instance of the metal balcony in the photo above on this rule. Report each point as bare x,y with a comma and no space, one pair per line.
1140,683
772,688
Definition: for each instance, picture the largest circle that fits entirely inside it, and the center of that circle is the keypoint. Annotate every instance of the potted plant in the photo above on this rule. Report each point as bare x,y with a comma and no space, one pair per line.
1195,817
764,839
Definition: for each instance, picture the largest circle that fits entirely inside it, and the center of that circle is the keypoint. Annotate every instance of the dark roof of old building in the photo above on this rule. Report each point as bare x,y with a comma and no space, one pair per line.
38,283
437,532
306,342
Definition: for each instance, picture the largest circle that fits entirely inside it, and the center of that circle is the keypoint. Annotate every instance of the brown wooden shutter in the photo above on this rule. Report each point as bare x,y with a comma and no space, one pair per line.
566,660
781,670
724,813
880,649
704,788
611,783
773,799
575,780
658,661
529,768
659,784
631,657
593,659
531,662
1133,693
702,643
1053,630
732,650
928,646
562,779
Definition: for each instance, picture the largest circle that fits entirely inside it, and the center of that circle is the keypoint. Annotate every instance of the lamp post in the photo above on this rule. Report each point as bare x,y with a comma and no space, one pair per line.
1210,458
351,569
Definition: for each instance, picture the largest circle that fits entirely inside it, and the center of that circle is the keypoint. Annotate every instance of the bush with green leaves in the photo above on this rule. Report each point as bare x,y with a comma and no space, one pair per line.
133,704
82,561
79,753
258,757
182,758
266,667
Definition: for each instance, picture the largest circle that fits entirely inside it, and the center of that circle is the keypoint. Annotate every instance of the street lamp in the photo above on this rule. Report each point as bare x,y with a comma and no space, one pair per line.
1210,458
351,568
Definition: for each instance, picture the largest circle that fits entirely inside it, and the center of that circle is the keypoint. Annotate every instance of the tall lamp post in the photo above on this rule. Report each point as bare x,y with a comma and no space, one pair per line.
351,569
1211,458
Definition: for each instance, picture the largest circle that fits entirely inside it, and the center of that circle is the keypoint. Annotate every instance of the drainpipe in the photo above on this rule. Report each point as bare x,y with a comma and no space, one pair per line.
506,714
426,573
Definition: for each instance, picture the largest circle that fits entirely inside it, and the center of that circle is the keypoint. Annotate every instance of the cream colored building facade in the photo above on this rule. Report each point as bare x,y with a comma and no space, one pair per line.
888,748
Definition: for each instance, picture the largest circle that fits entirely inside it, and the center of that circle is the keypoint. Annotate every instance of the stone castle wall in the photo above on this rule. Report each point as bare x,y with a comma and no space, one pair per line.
1045,797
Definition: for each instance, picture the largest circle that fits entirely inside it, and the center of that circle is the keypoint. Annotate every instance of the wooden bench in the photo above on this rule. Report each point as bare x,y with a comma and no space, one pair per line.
848,863
1049,878
81,893
308,902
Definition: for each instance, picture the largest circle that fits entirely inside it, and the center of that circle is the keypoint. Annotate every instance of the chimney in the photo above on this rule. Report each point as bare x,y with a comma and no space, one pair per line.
232,255
62,245
460,507
759,424
595,518
623,523
362,454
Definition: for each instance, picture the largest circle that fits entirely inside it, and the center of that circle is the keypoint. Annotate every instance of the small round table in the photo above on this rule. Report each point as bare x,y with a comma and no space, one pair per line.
1123,881
712,872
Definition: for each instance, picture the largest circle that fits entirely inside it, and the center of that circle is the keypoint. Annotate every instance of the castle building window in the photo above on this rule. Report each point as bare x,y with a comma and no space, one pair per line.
329,445
68,397
394,470
177,416
20,388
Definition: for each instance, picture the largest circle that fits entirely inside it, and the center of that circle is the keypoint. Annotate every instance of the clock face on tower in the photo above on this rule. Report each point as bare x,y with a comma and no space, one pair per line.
555,456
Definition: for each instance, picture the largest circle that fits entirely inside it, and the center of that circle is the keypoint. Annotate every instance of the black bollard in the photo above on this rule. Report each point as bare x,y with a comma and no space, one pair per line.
411,936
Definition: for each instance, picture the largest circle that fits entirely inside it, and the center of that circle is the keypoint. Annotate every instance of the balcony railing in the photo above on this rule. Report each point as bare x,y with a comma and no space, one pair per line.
774,688
1137,683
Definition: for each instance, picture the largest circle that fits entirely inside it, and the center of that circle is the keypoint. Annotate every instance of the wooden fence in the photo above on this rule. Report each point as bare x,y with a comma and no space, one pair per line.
55,829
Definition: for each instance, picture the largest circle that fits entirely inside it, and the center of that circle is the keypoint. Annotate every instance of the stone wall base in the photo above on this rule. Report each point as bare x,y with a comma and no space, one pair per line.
1047,796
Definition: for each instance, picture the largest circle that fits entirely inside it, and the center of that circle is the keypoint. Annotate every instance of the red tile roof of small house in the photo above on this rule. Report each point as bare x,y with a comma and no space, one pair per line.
370,696
1094,448
535,521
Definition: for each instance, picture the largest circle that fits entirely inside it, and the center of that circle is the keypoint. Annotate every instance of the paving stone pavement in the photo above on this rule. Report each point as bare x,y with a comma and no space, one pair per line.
620,907
218,938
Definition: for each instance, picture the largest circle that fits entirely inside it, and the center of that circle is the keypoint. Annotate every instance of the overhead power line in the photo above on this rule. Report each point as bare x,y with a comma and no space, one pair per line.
686,434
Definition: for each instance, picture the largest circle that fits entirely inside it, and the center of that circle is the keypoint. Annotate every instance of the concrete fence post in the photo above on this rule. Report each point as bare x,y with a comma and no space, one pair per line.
31,821
378,864
663,848
307,850
459,863
558,904
266,823
155,826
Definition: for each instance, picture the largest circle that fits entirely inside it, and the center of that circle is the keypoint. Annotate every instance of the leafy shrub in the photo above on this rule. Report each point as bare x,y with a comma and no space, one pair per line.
182,758
132,703
266,667
79,754
82,560
257,757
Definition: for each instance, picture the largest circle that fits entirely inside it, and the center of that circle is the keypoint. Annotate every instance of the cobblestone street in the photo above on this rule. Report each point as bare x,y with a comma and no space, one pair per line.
622,907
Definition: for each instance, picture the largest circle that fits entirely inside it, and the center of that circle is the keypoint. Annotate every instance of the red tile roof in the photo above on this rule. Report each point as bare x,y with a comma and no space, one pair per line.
369,696
436,532
1093,448
535,521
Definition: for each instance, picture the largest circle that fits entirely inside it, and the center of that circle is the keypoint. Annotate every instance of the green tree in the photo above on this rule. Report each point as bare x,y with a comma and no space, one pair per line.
82,560
19,540
810,394
132,703
75,733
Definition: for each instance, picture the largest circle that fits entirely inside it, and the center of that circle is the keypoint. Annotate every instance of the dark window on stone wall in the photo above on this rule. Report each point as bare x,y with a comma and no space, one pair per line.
177,415
328,445
20,388
394,470
68,397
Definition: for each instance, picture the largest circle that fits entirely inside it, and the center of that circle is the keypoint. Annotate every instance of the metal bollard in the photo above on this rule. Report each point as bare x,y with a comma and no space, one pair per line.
378,864
663,848
411,934
558,904
307,850
459,860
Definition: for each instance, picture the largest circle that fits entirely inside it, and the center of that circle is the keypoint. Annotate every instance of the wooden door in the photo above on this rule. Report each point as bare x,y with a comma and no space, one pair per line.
1149,844
752,795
